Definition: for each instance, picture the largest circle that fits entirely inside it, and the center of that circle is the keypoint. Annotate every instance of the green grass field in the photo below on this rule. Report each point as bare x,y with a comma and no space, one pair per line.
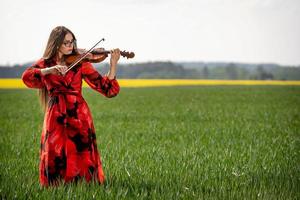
202,142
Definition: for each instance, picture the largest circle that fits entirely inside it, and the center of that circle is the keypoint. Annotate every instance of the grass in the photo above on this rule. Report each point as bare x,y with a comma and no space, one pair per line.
201,142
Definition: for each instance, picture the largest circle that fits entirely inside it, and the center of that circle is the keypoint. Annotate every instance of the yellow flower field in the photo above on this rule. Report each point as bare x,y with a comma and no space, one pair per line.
18,83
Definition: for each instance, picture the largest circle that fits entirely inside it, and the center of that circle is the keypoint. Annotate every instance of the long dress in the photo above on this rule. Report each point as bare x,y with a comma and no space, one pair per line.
68,148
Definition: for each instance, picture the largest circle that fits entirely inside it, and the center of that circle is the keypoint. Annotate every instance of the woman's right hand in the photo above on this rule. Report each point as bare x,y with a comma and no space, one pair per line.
57,70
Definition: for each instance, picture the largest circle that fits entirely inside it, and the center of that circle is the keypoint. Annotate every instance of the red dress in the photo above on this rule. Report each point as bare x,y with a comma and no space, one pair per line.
68,148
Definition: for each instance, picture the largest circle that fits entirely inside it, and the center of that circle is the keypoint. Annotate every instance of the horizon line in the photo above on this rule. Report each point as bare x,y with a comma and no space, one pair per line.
8,64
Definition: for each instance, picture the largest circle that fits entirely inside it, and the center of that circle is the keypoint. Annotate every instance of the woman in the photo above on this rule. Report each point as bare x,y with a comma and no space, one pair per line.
68,150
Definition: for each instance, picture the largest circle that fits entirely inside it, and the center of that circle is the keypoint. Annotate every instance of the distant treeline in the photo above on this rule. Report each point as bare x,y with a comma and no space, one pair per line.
186,70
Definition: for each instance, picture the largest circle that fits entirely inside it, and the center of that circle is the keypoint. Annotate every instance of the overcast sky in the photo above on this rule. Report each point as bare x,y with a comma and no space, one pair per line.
251,31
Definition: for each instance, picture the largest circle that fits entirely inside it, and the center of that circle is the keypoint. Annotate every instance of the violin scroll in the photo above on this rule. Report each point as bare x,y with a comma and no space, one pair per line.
127,54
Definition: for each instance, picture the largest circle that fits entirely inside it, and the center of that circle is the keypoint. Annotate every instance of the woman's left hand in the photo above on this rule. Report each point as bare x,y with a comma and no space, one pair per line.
115,56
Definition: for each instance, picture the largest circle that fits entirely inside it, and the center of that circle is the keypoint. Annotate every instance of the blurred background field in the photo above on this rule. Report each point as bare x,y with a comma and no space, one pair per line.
187,142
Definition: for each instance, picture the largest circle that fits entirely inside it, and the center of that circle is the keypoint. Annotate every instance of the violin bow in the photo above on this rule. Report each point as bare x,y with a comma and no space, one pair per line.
83,56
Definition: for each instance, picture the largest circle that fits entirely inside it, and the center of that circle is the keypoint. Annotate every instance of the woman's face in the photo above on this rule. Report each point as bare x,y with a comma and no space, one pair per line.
67,45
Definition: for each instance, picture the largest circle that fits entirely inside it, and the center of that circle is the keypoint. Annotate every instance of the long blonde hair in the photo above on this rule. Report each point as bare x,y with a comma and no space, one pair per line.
55,40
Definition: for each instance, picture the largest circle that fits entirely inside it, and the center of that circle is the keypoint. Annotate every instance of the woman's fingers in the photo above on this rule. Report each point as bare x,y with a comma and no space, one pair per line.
64,70
115,53
61,69
56,71
115,56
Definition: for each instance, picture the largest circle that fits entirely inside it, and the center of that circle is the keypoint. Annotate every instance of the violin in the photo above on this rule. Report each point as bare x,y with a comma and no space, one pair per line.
92,55
95,56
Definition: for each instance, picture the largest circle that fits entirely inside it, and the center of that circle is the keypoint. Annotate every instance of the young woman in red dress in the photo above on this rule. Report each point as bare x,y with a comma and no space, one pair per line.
68,150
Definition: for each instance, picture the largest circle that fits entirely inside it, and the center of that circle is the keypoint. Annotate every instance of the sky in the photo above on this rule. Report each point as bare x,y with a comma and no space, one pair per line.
248,31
